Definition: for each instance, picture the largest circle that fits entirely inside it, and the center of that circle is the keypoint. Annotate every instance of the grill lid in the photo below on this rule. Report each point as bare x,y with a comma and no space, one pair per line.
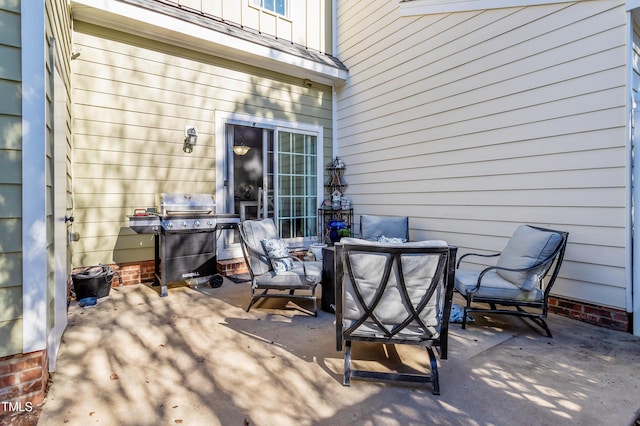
182,204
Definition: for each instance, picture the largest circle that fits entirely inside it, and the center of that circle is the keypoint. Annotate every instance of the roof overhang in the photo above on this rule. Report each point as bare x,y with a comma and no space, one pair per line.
195,32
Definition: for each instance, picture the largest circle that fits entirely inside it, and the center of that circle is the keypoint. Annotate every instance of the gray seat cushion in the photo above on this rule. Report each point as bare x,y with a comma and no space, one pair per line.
372,227
527,247
368,269
292,278
254,232
494,286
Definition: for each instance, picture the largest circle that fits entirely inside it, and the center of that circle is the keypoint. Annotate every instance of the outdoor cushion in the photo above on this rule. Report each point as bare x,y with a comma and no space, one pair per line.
527,247
493,286
368,269
291,278
391,240
426,243
254,232
372,227
276,247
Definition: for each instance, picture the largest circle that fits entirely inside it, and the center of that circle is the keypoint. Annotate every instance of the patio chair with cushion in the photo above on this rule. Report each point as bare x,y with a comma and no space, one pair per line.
274,272
519,284
394,294
374,228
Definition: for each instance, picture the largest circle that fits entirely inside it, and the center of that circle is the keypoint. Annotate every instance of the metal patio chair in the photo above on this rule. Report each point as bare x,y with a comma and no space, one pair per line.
394,294
374,227
519,283
274,272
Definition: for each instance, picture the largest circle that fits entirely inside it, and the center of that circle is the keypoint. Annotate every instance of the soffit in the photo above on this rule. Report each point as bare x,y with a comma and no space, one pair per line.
191,29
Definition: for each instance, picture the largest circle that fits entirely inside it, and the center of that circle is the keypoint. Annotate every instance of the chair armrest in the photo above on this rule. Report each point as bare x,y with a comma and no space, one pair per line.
295,259
491,268
475,254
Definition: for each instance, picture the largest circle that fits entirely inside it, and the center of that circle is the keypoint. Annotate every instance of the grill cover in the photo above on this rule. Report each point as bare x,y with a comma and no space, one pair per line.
169,204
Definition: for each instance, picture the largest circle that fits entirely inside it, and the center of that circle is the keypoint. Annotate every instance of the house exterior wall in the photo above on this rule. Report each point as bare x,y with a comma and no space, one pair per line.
133,98
474,122
308,22
10,182
26,305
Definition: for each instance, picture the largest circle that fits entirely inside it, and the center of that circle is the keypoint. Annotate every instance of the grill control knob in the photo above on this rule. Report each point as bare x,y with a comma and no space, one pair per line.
184,223
169,224
196,223
210,222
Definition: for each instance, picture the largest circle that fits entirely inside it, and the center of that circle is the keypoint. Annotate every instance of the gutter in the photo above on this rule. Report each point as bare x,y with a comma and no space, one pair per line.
334,101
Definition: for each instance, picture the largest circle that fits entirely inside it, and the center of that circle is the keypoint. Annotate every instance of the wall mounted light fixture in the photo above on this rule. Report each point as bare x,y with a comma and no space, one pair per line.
75,52
190,138
241,149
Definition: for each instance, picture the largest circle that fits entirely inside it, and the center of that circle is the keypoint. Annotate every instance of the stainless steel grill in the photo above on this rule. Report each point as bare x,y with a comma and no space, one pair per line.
184,228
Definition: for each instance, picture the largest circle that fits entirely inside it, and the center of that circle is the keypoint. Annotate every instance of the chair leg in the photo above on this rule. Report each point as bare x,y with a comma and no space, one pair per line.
540,321
255,298
432,377
346,381
435,381
464,314
251,303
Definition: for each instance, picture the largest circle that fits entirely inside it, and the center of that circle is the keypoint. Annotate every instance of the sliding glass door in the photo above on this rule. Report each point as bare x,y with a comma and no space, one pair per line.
297,184
271,172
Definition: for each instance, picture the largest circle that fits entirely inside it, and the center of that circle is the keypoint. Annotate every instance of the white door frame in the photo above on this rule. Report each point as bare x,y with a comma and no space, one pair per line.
222,118
60,227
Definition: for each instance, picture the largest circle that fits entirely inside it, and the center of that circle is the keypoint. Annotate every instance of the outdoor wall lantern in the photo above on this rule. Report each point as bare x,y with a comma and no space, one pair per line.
191,136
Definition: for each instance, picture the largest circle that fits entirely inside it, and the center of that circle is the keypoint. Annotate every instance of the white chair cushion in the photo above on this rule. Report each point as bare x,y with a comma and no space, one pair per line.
494,286
426,243
368,268
526,247
254,232
293,277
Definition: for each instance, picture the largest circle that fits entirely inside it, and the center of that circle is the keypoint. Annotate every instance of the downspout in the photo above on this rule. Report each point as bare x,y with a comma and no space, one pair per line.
334,102
632,191
632,255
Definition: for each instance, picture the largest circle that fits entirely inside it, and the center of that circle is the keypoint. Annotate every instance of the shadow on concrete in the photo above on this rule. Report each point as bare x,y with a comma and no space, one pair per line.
196,357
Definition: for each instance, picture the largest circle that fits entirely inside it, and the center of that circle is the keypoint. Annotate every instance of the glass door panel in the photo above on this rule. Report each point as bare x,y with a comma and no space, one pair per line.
297,197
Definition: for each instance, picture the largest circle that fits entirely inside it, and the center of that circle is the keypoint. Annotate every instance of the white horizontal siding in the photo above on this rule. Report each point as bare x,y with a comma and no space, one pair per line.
133,98
11,325
474,122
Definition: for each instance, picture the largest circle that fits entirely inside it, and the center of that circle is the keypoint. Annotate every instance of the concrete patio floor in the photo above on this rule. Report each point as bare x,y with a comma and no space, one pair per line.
197,358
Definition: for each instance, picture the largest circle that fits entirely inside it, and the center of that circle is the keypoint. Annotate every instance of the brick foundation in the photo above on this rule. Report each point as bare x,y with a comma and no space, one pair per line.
23,382
143,272
135,272
614,319
232,267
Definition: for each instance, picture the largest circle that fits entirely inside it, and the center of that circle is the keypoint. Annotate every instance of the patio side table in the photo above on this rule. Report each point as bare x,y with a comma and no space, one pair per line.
328,299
